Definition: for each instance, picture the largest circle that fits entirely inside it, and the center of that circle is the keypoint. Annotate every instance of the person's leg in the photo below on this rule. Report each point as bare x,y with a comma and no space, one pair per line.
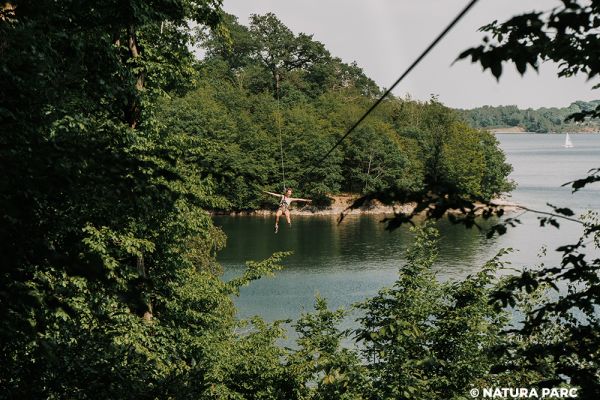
287,216
277,215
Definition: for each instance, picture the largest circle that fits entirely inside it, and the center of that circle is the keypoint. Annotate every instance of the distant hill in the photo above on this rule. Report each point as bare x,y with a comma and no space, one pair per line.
542,120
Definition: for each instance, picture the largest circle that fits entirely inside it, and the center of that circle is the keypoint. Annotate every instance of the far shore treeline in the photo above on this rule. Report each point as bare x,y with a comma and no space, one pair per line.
539,120
263,83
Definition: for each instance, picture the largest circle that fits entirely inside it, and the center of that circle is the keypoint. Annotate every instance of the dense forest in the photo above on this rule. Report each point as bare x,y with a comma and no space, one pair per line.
268,97
116,140
541,120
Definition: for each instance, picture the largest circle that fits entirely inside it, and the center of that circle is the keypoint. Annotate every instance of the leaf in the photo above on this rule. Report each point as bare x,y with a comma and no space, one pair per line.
496,68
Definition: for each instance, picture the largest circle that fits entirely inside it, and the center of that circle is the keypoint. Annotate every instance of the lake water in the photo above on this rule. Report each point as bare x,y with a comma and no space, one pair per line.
351,261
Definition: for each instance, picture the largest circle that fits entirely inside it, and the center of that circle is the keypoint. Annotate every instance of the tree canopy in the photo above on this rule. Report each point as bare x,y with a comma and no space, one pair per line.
109,288
264,83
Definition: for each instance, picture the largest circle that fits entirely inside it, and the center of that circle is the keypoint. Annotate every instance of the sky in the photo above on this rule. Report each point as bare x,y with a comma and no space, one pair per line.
385,36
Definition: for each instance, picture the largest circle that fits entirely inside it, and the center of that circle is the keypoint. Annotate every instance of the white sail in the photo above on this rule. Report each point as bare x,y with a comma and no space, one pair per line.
568,142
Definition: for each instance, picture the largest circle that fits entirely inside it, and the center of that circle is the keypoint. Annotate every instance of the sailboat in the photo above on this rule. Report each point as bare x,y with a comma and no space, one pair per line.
568,143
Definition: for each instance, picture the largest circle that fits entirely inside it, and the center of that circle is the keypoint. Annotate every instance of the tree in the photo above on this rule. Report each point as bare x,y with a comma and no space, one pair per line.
268,56
423,339
279,50
109,284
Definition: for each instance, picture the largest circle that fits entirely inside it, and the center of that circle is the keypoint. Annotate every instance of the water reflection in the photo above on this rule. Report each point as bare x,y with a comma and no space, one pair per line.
344,262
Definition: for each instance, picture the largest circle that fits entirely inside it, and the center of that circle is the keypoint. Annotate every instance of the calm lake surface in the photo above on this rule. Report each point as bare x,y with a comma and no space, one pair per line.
349,262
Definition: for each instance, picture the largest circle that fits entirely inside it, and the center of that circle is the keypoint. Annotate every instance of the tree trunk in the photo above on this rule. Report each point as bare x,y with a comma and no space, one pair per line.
141,269
276,79
135,108
134,116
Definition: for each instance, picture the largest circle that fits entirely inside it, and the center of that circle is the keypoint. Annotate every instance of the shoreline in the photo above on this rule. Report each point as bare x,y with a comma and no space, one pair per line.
340,203
520,130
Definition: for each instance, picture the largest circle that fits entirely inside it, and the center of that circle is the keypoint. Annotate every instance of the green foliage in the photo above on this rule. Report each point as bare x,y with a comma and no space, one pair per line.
264,84
109,284
558,339
424,339
267,53
256,270
541,120
325,368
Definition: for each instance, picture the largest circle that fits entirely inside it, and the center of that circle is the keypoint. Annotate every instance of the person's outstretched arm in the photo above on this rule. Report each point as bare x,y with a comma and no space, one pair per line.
299,199
273,194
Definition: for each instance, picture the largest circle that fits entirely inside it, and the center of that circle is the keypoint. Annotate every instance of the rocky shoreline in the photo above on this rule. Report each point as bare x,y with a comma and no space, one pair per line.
341,203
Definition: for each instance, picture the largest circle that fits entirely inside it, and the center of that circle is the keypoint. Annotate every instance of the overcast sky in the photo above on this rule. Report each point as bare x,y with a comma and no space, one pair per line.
385,36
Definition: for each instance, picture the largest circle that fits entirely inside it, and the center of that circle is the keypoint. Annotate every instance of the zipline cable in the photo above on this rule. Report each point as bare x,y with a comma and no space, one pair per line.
279,129
388,91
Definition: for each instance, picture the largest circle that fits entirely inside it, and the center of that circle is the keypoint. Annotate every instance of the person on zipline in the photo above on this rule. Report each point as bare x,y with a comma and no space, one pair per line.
284,206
